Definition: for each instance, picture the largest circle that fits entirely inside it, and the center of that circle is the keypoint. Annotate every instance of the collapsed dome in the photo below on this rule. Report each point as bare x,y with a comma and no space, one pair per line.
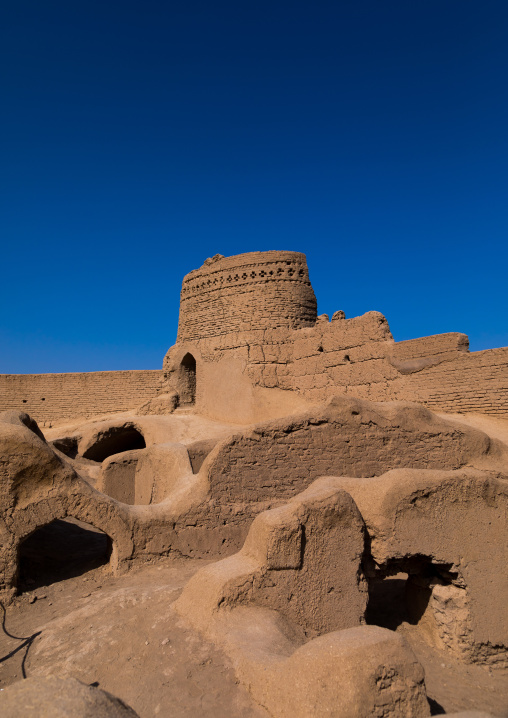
114,440
257,290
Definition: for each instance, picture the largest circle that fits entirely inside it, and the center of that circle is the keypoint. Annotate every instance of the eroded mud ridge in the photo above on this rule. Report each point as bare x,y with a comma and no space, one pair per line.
240,545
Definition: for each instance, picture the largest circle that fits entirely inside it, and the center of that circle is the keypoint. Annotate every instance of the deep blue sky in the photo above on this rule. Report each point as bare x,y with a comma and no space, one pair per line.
139,138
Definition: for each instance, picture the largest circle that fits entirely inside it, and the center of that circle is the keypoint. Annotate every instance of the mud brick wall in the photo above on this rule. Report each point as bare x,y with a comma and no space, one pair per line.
253,319
470,382
282,458
347,355
258,311
50,397
358,357
438,345
258,290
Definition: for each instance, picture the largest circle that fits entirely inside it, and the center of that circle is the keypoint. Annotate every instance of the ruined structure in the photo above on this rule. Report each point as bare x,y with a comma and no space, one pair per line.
300,462
259,290
249,324
253,319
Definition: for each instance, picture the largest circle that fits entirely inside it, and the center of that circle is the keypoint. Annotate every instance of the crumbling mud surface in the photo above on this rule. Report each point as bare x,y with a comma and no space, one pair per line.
171,634
452,685
123,633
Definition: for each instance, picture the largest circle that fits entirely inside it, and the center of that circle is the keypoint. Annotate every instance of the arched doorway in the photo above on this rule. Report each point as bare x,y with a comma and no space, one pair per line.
187,380
60,550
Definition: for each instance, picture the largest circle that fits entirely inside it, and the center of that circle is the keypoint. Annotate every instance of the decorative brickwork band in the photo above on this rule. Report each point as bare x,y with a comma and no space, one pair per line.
258,290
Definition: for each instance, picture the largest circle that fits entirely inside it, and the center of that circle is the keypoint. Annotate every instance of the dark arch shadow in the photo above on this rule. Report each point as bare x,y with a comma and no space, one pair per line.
187,380
62,549
387,602
402,589
115,440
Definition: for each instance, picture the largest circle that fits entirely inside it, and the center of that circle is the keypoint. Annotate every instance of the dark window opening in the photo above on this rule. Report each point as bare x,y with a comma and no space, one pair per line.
387,602
68,445
63,549
401,593
187,383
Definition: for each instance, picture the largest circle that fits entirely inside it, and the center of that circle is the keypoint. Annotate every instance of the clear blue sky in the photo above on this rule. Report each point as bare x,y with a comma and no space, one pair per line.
139,138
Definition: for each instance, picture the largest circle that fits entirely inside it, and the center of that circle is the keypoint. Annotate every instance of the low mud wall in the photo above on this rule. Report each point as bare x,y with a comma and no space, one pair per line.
475,382
51,397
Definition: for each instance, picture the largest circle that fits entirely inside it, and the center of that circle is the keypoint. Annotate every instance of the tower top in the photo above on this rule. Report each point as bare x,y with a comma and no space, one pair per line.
256,290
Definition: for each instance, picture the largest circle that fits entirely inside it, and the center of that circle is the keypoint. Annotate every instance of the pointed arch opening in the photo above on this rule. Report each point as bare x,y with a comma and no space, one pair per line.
187,380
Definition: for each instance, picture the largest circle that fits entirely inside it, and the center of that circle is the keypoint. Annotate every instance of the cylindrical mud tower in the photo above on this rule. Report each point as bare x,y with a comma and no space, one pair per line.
258,290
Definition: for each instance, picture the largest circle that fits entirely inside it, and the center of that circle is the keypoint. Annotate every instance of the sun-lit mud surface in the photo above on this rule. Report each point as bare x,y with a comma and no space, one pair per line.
123,634
74,618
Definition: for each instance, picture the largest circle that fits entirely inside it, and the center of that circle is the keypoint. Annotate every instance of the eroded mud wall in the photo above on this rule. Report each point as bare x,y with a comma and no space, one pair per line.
475,382
357,357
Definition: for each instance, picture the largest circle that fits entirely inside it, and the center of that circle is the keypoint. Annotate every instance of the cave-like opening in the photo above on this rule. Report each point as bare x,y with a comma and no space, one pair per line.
60,550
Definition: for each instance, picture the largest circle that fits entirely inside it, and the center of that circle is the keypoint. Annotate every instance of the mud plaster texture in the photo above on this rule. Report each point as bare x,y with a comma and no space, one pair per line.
305,566
290,563
55,697
416,521
250,323
427,509
267,526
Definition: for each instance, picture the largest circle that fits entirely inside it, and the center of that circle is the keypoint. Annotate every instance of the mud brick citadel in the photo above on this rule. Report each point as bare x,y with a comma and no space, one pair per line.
249,323
296,516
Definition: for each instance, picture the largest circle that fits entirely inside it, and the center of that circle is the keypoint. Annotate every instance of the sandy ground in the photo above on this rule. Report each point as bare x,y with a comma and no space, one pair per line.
122,633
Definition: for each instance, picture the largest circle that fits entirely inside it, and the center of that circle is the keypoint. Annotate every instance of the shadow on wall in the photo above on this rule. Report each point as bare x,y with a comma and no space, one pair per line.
115,440
68,445
401,593
149,476
186,380
60,550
